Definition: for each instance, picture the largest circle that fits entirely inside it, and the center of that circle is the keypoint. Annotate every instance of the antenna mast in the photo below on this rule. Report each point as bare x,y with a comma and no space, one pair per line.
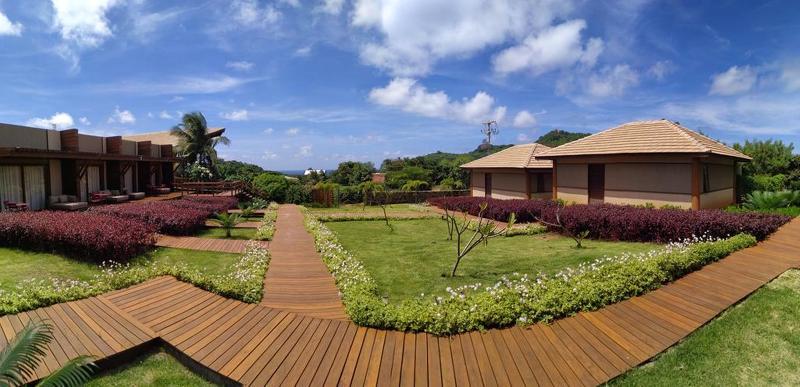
489,130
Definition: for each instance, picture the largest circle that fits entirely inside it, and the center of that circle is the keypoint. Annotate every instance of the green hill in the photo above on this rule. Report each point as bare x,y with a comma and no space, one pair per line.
558,137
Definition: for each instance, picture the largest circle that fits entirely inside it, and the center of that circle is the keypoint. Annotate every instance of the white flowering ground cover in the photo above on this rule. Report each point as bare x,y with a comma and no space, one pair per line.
266,229
518,298
243,281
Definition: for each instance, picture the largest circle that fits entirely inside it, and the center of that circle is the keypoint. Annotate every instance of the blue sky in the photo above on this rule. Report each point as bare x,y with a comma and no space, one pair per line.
301,83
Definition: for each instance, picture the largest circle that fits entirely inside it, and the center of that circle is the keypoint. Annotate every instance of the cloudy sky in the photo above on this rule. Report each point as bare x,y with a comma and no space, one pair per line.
308,83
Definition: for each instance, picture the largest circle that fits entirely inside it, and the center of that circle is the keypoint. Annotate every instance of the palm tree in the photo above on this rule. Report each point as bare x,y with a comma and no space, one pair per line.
195,143
19,360
227,222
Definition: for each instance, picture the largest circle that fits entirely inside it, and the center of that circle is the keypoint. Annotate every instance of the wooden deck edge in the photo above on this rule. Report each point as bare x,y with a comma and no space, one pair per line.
196,367
713,318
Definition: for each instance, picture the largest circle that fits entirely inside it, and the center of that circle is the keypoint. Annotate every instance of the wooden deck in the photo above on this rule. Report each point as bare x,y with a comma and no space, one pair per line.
259,345
297,280
236,246
93,326
158,198
248,224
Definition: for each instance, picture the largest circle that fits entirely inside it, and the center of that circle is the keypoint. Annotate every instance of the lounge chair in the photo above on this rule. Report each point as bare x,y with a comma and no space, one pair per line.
117,197
66,203
136,195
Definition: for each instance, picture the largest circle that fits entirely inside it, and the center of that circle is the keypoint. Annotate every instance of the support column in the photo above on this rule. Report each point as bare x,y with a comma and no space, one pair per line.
527,184
555,180
696,172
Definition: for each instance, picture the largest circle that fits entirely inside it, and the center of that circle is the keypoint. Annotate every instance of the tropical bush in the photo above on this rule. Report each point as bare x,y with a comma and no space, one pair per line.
624,223
87,235
244,281
519,298
174,217
765,200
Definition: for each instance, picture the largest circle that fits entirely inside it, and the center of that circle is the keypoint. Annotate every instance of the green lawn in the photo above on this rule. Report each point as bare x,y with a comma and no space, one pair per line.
236,233
757,343
19,265
412,259
156,369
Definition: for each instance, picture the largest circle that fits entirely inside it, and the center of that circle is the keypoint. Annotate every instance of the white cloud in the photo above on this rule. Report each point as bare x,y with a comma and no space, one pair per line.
145,25
176,98
60,120
236,115
407,95
415,34
269,155
291,3
303,51
790,76
248,13
735,80
268,131
181,85
768,114
661,69
292,131
305,151
242,65
9,28
332,7
524,119
522,137
611,81
84,121
164,115
554,48
83,22
122,117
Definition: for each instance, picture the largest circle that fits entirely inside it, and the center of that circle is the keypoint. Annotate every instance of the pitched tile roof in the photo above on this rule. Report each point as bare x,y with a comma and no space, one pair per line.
658,136
518,156
165,137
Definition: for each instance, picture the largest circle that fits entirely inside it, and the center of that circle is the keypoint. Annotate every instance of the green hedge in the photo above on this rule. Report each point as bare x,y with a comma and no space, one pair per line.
244,282
515,299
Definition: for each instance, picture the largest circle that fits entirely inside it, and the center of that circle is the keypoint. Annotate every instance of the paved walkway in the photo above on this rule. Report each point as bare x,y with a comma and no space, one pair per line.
297,280
236,246
259,345
247,224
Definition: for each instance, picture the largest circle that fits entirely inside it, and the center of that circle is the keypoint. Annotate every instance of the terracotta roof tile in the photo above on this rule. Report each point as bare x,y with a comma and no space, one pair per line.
517,156
659,136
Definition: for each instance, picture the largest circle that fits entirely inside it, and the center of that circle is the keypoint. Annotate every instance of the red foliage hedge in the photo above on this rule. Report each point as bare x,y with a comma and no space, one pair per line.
174,217
624,223
92,236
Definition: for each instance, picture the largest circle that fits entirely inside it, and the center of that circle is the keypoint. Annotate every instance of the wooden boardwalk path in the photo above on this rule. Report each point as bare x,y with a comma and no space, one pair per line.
259,345
297,280
236,246
247,224
93,326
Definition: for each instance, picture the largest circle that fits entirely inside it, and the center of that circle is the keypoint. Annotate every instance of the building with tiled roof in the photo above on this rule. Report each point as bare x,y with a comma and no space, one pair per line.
655,162
512,173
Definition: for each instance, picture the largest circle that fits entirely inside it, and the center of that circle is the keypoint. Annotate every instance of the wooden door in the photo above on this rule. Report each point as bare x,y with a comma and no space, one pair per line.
487,184
597,183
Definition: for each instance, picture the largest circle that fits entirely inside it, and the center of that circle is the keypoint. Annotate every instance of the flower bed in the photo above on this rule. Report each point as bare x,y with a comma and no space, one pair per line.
174,217
625,223
266,229
85,235
520,299
244,282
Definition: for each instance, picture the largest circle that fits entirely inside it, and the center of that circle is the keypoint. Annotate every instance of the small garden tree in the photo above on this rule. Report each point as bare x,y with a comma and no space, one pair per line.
377,194
482,230
227,222
577,236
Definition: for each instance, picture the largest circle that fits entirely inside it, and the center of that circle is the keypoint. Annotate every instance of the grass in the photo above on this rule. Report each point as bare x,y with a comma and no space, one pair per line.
793,211
412,259
19,265
755,343
236,233
155,369
358,209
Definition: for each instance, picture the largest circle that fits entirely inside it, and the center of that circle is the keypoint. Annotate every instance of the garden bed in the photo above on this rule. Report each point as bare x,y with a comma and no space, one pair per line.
626,223
185,216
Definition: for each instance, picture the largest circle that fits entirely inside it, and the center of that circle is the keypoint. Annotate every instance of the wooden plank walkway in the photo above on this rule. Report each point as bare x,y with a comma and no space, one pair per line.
236,246
93,326
297,280
248,224
259,345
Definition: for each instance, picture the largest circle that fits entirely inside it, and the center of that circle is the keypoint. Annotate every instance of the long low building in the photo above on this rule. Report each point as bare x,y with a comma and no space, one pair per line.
36,164
655,162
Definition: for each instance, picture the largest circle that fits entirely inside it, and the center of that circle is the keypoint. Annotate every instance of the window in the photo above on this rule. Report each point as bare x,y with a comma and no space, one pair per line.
706,179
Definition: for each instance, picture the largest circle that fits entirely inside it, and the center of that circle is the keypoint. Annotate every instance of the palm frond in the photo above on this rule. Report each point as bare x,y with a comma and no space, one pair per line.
75,372
19,359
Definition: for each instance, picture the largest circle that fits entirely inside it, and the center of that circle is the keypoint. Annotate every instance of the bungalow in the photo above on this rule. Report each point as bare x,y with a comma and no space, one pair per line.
645,162
512,173
37,164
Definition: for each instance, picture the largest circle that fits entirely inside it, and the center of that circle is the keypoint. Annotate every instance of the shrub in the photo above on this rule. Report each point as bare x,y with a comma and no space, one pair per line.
244,281
273,185
266,229
168,217
625,223
518,298
88,235
765,200
350,194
